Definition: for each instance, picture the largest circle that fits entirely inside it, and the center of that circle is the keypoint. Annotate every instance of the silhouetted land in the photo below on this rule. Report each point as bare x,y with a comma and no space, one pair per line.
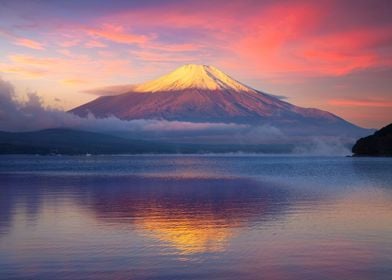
76,142
378,144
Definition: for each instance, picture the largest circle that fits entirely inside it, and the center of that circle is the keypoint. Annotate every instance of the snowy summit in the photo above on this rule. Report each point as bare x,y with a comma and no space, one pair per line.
193,76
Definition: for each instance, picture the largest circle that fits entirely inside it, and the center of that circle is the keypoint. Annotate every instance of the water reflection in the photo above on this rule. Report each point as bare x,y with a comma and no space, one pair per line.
188,214
208,218
192,215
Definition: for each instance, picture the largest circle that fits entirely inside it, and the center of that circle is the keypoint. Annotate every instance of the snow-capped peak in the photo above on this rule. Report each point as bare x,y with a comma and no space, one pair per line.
193,76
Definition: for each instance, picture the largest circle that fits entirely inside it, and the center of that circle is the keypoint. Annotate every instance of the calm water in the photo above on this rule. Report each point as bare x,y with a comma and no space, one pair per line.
195,217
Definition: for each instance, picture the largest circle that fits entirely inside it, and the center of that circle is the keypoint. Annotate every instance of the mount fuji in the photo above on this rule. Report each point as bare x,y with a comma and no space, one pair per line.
204,94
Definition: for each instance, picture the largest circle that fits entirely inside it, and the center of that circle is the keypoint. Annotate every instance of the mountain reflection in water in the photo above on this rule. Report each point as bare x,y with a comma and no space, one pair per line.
193,217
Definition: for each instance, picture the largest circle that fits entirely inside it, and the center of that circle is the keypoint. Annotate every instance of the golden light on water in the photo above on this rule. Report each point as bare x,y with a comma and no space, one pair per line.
188,235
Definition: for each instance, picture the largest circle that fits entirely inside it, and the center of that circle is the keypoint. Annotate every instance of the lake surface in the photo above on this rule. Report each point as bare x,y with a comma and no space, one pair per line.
195,217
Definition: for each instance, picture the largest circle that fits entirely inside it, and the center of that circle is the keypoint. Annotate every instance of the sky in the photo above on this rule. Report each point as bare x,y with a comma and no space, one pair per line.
332,55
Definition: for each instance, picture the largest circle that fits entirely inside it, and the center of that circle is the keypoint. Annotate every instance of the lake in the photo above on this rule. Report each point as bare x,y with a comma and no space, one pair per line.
195,217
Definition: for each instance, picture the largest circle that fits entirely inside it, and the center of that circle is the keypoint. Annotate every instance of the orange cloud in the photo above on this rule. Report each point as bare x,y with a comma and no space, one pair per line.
287,40
175,17
75,82
28,43
65,52
159,56
88,68
360,103
344,52
67,43
278,39
27,72
33,61
116,33
94,44
273,40
187,47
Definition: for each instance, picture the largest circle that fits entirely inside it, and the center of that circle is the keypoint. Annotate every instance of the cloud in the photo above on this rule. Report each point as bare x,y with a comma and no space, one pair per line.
116,33
75,81
360,103
21,41
23,71
28,43
32,60
306,46
323,38
16,115
162,56
95,44
68,42
64,68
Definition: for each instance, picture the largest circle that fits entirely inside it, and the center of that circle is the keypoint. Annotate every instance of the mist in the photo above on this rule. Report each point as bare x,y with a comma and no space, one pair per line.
30,114
318,146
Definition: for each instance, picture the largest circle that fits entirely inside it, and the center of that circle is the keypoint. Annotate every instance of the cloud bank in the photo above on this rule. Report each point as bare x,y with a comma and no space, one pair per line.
31,114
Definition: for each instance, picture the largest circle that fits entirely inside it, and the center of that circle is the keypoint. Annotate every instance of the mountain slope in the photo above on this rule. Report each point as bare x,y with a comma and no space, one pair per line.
201,93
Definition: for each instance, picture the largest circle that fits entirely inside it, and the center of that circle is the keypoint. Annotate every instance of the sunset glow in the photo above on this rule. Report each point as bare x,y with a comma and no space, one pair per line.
333,55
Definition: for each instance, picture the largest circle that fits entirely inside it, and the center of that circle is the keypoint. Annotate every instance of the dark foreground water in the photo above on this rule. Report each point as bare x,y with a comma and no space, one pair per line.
195,217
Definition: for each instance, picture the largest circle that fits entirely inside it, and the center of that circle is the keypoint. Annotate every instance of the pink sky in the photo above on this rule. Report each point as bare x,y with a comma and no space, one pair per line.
333,55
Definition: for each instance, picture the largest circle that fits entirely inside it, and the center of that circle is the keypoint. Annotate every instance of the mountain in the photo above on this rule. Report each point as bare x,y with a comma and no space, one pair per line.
201,93
378,144
76,142
69,141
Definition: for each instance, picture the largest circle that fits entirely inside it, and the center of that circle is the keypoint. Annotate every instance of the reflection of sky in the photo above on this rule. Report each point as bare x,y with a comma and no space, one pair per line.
234,227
